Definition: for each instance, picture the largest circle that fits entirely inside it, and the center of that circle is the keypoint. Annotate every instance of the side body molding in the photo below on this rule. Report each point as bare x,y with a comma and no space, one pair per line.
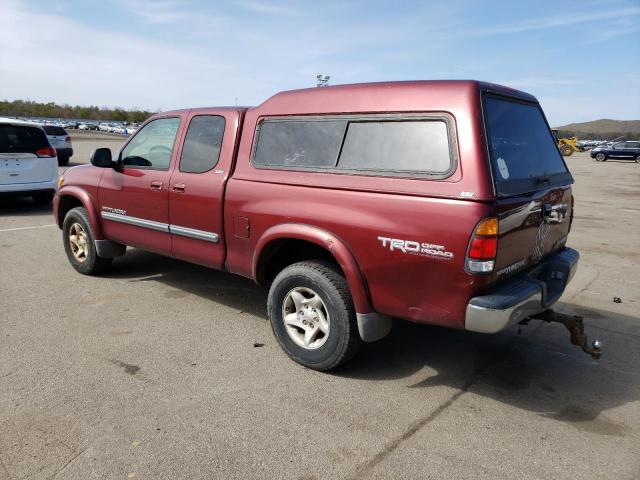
371,325
87,203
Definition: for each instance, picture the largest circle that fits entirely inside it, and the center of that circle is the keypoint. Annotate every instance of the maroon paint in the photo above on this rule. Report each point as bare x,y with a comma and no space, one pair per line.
345,214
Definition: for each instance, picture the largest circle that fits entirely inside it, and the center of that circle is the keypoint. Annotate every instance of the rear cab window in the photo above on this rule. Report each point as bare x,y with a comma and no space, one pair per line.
385,145
21,139
523,153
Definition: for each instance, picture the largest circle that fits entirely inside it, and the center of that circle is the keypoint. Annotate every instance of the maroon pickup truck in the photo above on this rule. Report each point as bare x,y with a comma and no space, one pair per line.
440,202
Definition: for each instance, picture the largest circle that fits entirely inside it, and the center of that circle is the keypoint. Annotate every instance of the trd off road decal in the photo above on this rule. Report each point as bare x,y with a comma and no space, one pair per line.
416,248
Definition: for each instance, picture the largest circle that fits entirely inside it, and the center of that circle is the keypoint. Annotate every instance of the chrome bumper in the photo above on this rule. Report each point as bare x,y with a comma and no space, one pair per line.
526,294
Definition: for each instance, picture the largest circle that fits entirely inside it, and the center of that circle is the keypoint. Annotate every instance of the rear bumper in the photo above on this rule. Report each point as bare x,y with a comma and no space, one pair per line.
524,295
17,189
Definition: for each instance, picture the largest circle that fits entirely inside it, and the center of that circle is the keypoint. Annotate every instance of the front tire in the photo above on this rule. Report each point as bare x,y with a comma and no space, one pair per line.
312,315
566,151
601,157
79,243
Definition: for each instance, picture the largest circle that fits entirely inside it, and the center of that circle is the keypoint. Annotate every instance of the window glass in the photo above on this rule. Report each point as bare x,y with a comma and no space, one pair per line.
19,139
299,143
53,130
524,154
619,145
632,145
151,147
202,144
420,146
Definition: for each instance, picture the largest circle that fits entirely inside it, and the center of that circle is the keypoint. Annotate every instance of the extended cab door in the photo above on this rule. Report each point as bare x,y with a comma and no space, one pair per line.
134,199
197,185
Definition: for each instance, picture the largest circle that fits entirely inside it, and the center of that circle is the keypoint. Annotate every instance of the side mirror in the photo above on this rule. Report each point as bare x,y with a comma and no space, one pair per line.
101,157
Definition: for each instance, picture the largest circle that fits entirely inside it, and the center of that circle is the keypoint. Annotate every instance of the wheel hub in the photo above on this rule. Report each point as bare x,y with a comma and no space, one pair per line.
78,242
306,318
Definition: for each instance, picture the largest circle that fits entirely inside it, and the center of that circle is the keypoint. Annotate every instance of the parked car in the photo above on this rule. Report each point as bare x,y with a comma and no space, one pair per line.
61,141
83,126
28,163
629,150
103,127
446,203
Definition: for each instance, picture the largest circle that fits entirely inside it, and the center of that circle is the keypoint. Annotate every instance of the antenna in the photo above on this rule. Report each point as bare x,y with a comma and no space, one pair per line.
323,80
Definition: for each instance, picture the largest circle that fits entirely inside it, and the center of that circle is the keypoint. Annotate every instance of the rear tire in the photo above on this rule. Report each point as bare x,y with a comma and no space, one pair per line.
638,159
321,331
42,198
79,243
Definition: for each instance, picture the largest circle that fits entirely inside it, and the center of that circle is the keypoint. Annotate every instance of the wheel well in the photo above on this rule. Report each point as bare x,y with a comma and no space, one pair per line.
279,254
66,203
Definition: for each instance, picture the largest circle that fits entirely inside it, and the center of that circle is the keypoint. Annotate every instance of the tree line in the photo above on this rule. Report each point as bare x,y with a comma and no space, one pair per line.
28,108
598,136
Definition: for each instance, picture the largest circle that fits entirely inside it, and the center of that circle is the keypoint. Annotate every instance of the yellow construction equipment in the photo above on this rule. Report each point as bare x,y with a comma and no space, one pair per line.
567,145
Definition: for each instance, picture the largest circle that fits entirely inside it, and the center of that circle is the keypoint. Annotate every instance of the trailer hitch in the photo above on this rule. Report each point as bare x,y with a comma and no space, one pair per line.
575,325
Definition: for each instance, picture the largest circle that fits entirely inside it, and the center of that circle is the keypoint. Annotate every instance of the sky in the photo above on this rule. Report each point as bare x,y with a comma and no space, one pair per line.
581,59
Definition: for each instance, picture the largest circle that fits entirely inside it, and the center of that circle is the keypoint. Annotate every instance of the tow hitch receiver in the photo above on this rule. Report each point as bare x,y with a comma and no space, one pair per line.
575,325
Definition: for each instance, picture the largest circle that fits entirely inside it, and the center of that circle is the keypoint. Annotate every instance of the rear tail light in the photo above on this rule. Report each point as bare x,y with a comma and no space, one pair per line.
46,152
67,138
483,246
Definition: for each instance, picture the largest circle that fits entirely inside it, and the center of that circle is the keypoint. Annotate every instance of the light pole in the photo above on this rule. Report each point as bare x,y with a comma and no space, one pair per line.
323,80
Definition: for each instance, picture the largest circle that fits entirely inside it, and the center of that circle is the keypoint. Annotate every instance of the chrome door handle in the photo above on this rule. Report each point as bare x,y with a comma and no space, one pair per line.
179,187
156,185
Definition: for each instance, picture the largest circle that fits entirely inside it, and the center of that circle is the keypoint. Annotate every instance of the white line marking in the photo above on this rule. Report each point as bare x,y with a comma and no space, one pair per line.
27,228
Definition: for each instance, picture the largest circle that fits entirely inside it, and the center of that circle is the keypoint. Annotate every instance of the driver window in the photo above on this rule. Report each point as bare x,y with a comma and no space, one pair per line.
152,146
619,145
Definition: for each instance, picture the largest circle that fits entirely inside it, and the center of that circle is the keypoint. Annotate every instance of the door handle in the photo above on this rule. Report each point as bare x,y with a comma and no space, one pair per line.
179,187
156,185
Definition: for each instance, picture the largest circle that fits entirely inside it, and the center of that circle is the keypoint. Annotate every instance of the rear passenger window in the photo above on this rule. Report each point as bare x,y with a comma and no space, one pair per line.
370,145
202,144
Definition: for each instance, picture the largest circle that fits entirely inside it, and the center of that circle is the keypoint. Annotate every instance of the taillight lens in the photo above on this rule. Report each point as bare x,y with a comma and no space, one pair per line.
483,247
67,138
46,152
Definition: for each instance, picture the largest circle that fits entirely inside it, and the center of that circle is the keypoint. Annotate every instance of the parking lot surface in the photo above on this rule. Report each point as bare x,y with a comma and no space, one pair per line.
162,369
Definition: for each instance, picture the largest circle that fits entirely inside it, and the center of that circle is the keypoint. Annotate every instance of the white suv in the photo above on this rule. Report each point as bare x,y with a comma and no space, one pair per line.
28,162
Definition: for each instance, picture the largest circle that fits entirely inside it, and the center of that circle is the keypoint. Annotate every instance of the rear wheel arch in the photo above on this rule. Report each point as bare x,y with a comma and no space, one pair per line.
284,245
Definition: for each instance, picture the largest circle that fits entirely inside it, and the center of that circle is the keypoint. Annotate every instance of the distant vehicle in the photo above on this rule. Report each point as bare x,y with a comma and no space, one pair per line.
567,145
83,126
620,150
28,163
61,141
119,129
103,127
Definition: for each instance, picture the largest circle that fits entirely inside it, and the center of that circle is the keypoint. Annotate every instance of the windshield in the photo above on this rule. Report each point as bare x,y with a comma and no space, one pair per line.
524,154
